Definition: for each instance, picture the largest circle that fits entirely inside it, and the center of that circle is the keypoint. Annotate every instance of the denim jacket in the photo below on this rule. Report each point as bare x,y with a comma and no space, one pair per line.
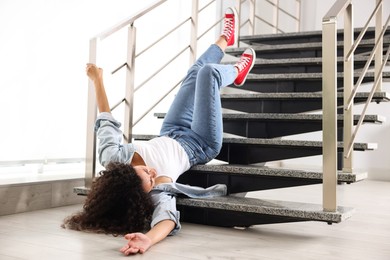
164,198
163,195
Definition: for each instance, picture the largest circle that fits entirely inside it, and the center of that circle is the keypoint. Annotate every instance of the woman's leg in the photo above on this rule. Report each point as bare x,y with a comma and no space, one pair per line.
207,115
181,111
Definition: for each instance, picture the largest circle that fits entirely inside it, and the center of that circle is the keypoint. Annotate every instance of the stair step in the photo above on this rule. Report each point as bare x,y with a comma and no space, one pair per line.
303,50
288,102
271,125
246,178
230,211
296,82
298,65
301,37
233,211
257,150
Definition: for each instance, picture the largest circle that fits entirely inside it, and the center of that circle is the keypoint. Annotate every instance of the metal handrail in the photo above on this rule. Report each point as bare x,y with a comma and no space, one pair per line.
329,88
129,20
337,8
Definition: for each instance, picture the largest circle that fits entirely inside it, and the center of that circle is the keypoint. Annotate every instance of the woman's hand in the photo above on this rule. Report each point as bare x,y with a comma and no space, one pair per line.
137,243
93,72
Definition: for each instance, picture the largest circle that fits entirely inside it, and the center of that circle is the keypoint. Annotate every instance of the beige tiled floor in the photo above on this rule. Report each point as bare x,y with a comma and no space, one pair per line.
38,235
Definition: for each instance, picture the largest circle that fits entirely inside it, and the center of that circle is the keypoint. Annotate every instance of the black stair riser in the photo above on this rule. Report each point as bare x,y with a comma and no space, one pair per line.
288,85
272,129
315,67
234,153
304,51
243,183
227,218
280,105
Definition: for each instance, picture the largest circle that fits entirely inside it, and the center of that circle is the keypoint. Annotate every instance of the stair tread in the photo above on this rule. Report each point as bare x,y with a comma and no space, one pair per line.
296,46
296,143
288,116
223,168
299,210
275,142
304,76
295,34
308,61
295,95
304,211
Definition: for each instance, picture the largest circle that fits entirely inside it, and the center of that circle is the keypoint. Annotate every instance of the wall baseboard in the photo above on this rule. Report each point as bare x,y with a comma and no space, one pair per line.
25,197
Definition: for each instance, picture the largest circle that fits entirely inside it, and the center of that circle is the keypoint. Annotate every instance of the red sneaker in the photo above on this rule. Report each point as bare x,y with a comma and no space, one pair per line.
244,65
230,25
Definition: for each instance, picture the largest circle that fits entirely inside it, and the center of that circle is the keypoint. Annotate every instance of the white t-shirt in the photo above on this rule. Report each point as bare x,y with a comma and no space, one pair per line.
164,154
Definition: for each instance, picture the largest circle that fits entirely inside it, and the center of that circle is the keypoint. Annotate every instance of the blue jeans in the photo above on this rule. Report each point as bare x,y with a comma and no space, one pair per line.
195,116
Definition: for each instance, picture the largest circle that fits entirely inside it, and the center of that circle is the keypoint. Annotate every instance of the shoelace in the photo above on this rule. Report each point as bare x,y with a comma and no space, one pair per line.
228,29
244,61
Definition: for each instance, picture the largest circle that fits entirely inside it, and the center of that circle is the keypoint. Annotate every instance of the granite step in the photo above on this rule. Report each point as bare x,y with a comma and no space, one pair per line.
297,82
251,102
236,150
301,37
259,150
298,65
303,50
246,178
271,125
231,211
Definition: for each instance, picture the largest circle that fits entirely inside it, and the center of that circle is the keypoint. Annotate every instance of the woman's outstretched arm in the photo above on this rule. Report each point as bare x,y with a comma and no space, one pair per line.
140,243
95,74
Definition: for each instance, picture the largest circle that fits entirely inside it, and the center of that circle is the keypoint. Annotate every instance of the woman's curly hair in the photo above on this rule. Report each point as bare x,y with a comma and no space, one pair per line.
116,204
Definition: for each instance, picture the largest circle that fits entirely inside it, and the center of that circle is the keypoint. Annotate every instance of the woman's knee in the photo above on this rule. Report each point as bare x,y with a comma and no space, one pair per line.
208,71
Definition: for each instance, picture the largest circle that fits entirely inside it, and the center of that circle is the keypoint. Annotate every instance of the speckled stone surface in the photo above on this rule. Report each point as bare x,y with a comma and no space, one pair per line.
81,190
253,170
292,143
295,34
304,76
276,142
304,211
300,95
288,116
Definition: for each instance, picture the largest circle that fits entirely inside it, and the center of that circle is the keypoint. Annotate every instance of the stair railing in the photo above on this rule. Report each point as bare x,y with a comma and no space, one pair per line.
277,11
329,89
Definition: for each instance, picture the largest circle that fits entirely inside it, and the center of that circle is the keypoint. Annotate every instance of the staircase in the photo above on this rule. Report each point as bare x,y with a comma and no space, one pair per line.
277,101
281,97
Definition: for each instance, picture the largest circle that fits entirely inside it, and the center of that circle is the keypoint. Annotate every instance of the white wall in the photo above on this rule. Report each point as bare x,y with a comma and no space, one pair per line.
43,87
376,163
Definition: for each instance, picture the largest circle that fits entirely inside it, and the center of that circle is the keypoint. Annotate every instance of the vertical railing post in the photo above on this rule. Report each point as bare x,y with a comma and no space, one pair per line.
90,157
276,17
329,106
379,51
252,17
194,31
348,87
129,92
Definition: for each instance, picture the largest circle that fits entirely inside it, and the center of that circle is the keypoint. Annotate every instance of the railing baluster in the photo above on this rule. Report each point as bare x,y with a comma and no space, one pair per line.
348,86
90,156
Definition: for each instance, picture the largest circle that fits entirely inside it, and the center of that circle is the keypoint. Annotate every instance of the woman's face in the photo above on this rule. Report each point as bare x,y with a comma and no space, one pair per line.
147,175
